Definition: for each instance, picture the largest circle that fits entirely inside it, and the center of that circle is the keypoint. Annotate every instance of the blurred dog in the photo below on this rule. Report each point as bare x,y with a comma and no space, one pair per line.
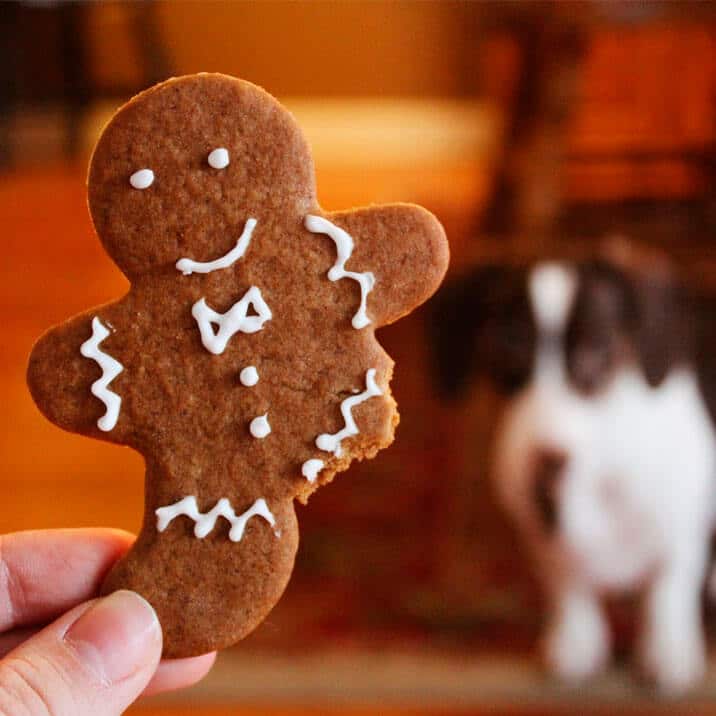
606,454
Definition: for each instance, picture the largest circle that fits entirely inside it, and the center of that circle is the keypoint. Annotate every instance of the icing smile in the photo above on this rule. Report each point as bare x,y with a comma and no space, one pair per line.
189,266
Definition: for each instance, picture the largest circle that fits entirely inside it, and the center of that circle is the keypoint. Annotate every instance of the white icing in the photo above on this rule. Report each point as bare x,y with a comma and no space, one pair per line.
332,443
111,368
142,179
205,521
311,468
260,427
249,376
231,322
189,266
218,158
344,249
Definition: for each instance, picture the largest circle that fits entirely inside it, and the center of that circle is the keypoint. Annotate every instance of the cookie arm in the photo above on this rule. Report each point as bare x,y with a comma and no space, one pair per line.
71,375
404,247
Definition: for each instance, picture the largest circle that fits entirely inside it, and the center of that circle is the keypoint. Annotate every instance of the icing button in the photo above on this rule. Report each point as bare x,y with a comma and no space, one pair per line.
219,158
260,427
142,179
249,376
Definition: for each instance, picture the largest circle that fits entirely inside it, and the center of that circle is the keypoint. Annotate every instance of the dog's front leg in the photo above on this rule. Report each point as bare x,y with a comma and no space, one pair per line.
577,641
672,647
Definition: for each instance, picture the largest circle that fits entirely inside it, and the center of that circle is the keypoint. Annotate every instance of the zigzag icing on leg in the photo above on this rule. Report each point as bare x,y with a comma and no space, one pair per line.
205,521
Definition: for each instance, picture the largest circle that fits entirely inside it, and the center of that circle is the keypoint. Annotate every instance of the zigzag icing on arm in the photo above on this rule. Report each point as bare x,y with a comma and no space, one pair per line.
189,266
231,322
206,521
111,368
344,248
332,443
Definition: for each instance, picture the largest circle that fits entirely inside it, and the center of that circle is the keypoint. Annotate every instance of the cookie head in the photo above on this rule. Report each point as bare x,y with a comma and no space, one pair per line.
179,168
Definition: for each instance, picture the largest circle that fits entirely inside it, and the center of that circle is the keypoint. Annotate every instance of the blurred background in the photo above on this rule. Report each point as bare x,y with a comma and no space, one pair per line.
527,128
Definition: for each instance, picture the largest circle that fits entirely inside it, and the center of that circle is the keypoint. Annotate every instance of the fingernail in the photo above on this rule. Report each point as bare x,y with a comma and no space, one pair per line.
114,635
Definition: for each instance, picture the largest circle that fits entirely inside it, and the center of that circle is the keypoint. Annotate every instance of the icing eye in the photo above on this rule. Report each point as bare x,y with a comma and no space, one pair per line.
142,179
219,158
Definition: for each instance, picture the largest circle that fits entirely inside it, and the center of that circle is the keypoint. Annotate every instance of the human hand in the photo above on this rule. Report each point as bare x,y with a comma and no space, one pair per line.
97,656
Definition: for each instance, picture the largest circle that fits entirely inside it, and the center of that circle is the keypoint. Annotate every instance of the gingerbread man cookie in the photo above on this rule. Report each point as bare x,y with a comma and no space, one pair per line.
242,363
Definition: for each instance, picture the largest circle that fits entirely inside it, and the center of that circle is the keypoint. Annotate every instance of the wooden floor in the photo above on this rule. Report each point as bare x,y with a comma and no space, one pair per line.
568,710
665,710
365,711
334,681
259,711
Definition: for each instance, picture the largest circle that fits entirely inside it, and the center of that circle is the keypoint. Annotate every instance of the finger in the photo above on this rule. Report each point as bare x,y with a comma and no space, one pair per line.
97,659
45,573
171,674
180,673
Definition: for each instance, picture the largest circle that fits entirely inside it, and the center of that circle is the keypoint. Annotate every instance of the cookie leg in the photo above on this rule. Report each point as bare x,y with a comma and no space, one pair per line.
210,591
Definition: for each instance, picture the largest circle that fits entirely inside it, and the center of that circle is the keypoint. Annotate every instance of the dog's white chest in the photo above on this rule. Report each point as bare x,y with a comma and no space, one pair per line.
648,472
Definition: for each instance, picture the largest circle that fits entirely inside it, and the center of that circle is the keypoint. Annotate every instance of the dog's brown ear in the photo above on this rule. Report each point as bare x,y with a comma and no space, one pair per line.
664,325
463,317
704,310
454,322
664,331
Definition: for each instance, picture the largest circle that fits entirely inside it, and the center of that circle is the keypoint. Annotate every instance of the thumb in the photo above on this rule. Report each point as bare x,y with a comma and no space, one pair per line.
95,660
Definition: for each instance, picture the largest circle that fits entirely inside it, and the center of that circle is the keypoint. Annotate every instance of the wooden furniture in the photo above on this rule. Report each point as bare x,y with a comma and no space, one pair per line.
45,59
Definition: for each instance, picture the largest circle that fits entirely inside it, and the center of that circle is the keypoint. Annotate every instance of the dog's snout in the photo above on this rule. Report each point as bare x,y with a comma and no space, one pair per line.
549,462
548,466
